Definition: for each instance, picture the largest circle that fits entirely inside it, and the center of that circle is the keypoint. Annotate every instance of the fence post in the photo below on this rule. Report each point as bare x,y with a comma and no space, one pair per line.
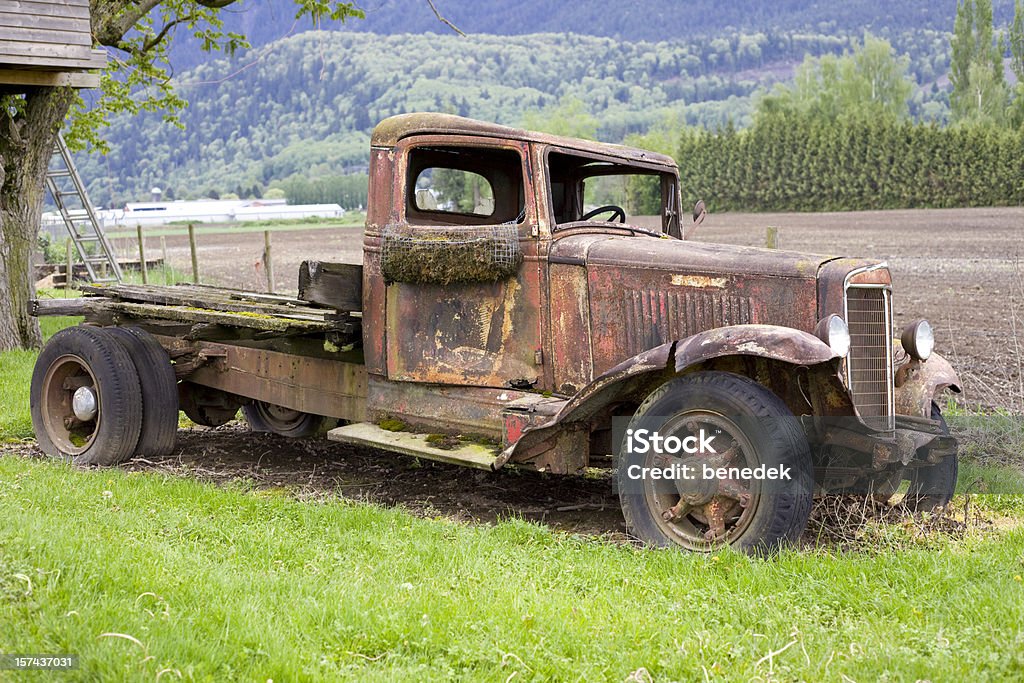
192,247
772,238
67,266
163,249
142,255
268,262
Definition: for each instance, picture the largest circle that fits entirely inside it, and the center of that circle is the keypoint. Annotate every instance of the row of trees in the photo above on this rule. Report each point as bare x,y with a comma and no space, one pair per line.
980,93
839,137
803,163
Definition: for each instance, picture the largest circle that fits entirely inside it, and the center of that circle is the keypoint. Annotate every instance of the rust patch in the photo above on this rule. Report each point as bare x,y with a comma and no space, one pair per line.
698,281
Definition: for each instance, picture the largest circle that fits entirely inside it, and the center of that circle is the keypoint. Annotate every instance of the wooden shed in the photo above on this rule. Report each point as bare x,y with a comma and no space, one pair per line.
48,43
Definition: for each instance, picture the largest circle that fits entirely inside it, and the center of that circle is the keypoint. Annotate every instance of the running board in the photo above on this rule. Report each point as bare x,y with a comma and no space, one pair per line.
409,443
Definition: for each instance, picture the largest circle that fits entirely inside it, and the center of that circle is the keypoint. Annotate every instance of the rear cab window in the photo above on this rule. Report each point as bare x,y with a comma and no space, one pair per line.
460,185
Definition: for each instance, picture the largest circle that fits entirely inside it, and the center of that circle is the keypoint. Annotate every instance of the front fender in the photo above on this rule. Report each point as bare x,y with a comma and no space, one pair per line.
918,383
785,344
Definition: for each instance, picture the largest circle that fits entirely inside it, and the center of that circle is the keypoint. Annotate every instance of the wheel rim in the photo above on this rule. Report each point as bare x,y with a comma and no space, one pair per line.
69,378
279,418
702,515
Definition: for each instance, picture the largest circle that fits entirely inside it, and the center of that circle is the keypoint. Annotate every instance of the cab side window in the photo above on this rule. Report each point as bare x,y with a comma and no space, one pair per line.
464,186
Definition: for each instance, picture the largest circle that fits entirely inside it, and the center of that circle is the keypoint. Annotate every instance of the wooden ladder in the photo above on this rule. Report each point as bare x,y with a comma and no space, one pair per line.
79,216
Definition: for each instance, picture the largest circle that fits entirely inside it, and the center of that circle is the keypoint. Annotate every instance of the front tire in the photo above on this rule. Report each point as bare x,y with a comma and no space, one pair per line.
750,427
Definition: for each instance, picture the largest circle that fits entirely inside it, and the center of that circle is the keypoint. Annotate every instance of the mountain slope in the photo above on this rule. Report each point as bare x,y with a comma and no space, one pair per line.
305,104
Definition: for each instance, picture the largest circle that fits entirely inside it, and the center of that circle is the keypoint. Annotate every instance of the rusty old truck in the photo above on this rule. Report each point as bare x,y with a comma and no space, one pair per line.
502,318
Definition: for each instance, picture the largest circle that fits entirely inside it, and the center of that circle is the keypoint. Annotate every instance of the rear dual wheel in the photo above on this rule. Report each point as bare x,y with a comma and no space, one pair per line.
100,396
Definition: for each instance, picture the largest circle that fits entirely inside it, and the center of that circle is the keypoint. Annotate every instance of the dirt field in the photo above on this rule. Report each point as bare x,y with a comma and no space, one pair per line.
959,268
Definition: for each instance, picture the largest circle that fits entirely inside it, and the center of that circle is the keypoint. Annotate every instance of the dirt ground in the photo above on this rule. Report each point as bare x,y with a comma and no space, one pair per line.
315,469
959,268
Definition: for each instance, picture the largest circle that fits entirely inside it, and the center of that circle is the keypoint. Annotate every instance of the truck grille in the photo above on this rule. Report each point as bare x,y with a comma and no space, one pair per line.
869,364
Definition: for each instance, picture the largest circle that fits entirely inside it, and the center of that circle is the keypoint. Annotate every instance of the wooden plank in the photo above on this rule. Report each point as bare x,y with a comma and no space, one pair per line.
267,323
336,285
74,55
71,8
61,23
214,299
44,307
46,36
75,79
245,294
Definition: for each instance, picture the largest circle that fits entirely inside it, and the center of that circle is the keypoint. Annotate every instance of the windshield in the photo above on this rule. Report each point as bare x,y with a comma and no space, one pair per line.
591,189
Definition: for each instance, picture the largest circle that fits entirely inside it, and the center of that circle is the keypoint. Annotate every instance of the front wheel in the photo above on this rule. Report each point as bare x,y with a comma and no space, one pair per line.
760,491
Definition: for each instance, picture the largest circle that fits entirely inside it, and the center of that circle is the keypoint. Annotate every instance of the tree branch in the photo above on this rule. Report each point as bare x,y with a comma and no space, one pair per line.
445,21
116,18
155,40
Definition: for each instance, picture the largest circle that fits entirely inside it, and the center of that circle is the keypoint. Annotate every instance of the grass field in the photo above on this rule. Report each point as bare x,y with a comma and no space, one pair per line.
141,574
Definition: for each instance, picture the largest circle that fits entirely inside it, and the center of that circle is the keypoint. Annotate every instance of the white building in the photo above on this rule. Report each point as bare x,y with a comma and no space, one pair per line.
204,211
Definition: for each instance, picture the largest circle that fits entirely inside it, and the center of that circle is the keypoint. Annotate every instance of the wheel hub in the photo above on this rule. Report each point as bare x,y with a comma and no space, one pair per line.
84,404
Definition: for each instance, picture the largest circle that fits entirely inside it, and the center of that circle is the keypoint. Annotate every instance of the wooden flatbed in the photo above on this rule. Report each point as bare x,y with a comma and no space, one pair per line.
188,303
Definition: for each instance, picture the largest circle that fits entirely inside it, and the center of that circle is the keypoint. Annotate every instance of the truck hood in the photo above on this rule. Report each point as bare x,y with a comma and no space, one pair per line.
644,291
688,258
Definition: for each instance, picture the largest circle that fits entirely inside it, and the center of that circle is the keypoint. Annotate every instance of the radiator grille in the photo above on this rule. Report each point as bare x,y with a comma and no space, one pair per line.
870,361
653,317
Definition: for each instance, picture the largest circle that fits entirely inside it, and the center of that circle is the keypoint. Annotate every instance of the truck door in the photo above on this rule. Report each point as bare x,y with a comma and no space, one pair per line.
461,266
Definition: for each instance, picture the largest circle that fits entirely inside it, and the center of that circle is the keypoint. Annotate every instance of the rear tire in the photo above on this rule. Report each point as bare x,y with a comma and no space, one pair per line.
294,424
751,427
205,406
86,398
159,391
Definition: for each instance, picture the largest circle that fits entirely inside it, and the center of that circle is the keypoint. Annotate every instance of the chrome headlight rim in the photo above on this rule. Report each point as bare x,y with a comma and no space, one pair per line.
918,339
834,331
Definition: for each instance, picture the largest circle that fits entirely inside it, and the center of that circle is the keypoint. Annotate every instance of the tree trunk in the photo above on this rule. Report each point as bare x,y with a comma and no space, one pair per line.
28,133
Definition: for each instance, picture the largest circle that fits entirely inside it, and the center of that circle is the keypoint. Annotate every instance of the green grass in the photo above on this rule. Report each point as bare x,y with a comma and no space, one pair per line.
161,275
16,377
235,584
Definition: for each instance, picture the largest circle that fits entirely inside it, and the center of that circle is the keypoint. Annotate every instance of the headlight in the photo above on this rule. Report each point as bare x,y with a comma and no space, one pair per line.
918,339
834,331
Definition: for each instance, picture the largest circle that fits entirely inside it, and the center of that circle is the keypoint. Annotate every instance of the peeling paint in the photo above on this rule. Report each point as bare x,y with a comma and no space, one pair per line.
698,281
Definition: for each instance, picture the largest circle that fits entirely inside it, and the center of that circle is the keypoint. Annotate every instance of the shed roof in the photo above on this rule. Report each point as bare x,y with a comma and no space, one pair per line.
48,43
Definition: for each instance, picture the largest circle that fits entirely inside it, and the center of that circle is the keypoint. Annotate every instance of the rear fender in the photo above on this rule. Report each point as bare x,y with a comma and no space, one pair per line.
629,377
